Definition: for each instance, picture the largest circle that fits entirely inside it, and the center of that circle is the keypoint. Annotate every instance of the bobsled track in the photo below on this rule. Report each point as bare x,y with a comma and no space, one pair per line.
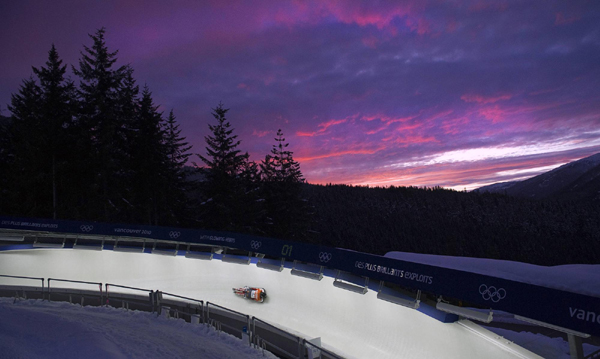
354,304
349,324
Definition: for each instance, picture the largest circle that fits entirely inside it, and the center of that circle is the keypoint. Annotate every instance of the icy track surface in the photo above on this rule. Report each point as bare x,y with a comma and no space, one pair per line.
353,325
40,329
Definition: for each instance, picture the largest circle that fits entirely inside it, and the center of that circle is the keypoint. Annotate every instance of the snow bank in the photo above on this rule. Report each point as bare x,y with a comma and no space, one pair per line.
39,329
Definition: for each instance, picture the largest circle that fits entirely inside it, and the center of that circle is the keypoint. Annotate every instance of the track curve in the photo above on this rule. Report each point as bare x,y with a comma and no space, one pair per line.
350,324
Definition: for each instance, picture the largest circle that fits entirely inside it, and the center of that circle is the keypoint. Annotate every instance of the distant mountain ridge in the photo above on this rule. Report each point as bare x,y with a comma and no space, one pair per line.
577,180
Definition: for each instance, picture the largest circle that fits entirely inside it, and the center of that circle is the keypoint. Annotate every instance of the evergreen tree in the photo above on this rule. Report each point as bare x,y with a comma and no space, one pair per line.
101,120
6,152
227,198
148,162
57,111
23,175
41,134
178,187
280,166
128,103
129,108
287,211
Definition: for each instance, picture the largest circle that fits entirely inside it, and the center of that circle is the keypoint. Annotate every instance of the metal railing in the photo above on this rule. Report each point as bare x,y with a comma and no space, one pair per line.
594,355
131,301
323,353
20,277
261,338
23,289
261,334
82,293
189,302
232,321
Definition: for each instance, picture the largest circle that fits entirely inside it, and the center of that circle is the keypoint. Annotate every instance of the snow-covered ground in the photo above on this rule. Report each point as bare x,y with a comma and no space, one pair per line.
353,325
39,329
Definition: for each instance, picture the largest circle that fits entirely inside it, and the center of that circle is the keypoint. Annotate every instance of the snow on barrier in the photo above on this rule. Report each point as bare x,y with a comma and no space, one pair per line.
574,311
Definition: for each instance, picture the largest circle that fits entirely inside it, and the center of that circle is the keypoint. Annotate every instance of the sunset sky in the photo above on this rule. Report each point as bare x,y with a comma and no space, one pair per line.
456,94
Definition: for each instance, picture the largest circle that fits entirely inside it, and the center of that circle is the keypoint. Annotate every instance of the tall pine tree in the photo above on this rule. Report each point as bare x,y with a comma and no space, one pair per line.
178,187
57,112
42,142
228,197
6,153
24,176
148,162
103,127
286,210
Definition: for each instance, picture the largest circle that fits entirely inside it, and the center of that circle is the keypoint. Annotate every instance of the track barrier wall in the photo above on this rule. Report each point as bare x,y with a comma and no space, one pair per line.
575,311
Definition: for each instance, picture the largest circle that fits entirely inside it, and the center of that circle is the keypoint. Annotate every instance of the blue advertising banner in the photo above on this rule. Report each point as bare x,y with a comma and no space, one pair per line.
574,311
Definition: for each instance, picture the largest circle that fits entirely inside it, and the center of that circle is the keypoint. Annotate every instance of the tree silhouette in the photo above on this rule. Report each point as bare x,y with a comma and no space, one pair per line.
286,210
42,134
103,128
228,202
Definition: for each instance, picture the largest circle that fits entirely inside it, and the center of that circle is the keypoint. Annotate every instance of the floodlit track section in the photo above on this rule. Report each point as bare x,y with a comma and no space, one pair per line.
350,324
409,284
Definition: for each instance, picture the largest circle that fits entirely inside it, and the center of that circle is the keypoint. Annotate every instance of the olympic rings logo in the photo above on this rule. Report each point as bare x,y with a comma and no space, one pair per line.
174,234
255,244
86,227
324,257
491,293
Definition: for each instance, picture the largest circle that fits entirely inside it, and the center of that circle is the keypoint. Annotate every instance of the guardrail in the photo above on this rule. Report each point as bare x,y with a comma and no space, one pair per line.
233,322
131,301
594,355
191,310
17,288
263,338
82,293
319,352
260,334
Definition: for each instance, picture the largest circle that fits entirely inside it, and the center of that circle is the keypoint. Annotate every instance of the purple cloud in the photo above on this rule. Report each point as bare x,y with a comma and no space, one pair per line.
422,93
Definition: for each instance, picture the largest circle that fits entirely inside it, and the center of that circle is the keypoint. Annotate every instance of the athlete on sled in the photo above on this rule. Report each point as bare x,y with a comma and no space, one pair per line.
257,294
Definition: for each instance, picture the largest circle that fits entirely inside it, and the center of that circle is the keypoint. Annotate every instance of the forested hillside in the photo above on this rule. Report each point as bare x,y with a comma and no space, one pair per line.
444,222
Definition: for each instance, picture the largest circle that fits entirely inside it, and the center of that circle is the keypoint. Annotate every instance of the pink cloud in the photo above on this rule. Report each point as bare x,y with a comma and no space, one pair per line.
387,121
562,20
370,42
421,25
352,12
408,140
260,133
483,99
305,134
446,175
322,128
454,126
495,114
439,115
452,26
365,15
338,154
325,125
